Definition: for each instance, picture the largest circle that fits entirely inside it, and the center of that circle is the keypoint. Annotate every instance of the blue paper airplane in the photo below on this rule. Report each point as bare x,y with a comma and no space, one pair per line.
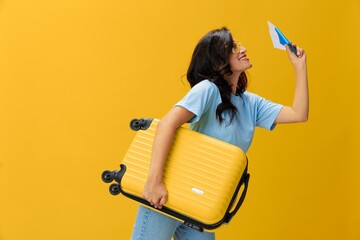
279,39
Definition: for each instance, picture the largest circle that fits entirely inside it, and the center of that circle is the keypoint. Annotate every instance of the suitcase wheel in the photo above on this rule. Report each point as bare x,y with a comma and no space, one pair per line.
114,189
107,176
135,124
140,124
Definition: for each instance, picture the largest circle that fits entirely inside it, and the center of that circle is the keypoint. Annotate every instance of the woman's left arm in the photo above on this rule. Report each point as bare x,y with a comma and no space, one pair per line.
299,111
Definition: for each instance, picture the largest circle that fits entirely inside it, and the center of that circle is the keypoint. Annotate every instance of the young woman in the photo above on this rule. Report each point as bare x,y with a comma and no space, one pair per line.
217,105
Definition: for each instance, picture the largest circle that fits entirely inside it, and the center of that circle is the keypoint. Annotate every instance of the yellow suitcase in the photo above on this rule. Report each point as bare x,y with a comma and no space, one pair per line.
203,175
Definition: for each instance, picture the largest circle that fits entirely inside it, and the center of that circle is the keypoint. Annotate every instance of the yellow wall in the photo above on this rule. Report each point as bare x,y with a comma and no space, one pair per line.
74,72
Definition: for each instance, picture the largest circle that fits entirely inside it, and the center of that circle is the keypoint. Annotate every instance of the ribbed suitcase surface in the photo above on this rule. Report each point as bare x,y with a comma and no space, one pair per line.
202,174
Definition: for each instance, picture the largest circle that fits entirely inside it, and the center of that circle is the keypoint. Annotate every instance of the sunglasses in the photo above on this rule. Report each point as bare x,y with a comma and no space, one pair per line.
237,47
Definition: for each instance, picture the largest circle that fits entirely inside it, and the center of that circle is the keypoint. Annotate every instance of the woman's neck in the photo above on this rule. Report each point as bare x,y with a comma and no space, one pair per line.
233,81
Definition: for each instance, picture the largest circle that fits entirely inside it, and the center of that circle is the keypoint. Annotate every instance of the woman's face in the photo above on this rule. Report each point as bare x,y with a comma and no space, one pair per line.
237,59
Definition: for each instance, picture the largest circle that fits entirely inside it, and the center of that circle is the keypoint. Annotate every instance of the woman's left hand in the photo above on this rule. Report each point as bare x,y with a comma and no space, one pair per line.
298,60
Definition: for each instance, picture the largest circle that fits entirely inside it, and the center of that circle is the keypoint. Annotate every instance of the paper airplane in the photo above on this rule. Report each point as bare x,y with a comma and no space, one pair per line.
279,39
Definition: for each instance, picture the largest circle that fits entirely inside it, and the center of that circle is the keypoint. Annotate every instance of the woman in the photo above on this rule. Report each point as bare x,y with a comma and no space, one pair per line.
217,105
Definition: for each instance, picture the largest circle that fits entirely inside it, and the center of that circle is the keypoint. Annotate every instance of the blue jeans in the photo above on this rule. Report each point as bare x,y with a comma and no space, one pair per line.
151,225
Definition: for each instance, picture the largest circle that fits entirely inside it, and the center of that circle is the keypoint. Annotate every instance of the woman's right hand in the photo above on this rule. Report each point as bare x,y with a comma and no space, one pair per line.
154,190
155,193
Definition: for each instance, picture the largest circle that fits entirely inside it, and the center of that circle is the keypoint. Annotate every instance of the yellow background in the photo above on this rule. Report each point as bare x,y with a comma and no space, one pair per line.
73,73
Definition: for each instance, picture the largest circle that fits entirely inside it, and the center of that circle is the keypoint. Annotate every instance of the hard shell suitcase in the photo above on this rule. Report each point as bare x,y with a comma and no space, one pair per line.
203,175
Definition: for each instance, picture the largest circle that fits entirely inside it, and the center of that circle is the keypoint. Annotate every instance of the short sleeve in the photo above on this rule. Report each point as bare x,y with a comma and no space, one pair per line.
199,99
267,113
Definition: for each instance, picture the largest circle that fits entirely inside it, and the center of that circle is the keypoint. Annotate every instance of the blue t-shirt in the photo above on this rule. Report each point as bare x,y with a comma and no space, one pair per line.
253,111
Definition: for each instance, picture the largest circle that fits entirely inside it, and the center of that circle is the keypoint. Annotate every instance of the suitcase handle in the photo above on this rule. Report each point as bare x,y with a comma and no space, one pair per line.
115,189
245,181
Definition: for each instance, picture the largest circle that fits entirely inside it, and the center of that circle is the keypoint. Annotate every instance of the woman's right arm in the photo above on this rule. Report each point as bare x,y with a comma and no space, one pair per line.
154,190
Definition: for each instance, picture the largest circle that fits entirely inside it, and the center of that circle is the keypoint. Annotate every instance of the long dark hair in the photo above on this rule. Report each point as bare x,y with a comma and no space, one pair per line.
210,60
